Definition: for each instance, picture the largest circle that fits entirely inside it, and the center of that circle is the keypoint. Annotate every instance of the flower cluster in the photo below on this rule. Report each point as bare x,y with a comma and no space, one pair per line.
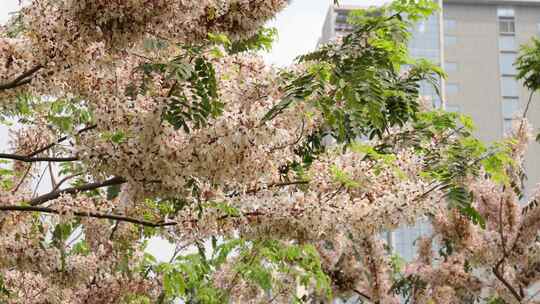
179,136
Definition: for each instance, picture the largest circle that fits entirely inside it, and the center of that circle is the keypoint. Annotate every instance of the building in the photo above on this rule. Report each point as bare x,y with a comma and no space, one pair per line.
476,42
481,43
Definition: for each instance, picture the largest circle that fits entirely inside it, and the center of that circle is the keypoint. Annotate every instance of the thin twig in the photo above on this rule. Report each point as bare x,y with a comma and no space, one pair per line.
51,175
16,188
117,217
114,229
501,226
74,190
34,193
65,179
73,240
21,79
27,159
528,105
361,294
525,112
60,140
496,269
505,282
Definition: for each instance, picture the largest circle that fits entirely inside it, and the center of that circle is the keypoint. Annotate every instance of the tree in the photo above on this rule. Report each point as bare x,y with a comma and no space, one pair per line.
160,121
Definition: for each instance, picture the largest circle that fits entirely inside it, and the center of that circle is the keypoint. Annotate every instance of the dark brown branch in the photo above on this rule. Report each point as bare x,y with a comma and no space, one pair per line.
31,158
501,225
361,294
98,215
65,179
525,112
16,188
505,282
74,190
27,159
61,139
21,79
524,116
496,269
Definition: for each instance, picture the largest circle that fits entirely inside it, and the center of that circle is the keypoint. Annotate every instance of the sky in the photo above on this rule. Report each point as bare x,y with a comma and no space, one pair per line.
299,28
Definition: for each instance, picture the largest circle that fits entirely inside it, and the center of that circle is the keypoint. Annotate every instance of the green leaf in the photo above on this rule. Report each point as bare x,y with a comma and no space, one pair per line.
262,40
197,75
528,65
467,122
174,284
461,198
473,214
3,290
343,178
219,39
62,232
81,248
64,123
118,137
113,192
496,166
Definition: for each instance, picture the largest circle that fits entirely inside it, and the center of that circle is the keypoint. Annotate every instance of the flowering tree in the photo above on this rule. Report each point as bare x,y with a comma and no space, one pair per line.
155,118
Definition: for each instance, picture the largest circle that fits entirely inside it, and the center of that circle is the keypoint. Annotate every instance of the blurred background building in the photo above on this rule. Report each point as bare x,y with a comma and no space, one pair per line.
476,42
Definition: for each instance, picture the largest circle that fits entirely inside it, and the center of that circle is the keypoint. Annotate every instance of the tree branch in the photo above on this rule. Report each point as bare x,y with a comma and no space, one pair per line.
361,294
98,215
16,188
61,139
74,190
496,269
30,159
505,282
65,179
21,79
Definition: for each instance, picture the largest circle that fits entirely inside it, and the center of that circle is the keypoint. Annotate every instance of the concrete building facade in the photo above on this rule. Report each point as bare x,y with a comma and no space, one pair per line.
476,42
482,41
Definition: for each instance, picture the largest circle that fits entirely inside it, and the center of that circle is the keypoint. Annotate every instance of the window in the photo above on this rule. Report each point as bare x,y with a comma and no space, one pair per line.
507,26
450,66
450,40
450,24
509,86
507,43
508,126
507,63
452,88
505,12
510,108
511,112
